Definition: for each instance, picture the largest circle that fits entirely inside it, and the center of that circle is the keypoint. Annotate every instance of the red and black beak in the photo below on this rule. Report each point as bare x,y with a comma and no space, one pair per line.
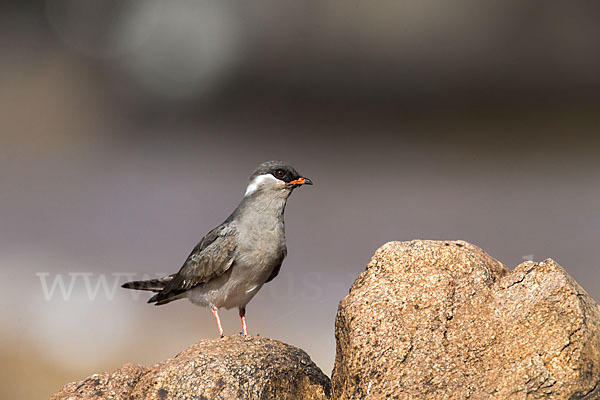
300,181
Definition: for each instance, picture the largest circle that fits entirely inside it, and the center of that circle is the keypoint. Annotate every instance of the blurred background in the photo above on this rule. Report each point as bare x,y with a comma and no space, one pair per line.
128,130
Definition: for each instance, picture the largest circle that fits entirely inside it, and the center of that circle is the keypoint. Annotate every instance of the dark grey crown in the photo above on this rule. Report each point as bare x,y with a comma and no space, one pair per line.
278,169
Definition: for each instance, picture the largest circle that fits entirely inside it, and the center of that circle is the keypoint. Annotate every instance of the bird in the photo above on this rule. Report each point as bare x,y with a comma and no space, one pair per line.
234,260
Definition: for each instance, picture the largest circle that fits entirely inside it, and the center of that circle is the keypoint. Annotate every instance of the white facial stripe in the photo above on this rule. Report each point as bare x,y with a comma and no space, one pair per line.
259,180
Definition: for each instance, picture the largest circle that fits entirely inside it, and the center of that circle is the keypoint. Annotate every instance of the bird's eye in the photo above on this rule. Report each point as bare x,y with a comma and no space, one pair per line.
279,173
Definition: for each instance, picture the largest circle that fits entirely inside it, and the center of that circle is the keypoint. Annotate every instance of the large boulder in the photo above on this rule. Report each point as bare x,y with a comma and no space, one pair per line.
228,368
443,320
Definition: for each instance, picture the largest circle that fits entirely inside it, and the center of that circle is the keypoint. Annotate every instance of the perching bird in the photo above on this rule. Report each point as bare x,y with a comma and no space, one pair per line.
232,262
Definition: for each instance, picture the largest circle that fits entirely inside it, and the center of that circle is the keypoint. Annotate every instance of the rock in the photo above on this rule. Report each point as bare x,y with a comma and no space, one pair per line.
115,385
443,320
228,368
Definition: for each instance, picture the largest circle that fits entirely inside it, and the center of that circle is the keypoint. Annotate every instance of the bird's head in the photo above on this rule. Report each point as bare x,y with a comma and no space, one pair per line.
275,176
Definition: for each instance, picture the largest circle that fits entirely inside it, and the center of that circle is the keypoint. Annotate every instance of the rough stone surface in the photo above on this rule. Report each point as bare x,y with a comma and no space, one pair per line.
114,385
228,368
443,320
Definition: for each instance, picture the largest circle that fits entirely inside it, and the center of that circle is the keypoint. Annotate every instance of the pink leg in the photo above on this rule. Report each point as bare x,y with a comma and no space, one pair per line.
215,312
243,317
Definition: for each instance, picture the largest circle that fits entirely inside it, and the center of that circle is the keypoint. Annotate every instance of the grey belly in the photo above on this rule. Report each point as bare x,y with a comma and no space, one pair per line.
262,248
236,287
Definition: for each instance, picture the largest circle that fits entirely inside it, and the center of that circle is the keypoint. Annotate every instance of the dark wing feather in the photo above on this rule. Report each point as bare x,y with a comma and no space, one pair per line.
275,271
209,259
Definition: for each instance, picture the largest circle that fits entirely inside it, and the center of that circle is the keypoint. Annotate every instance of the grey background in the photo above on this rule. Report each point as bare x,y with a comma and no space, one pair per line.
129,129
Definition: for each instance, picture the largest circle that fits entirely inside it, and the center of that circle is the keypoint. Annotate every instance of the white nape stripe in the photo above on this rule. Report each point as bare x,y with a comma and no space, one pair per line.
256,182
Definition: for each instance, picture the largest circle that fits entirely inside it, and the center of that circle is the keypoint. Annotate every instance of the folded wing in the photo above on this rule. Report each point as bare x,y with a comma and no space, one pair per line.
212,257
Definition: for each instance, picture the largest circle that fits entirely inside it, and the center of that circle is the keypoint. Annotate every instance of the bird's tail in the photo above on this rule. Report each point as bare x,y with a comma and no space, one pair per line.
153,285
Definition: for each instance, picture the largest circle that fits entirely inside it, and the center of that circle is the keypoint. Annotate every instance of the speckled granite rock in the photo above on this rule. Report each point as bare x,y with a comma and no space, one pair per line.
114,385
228,368
443,320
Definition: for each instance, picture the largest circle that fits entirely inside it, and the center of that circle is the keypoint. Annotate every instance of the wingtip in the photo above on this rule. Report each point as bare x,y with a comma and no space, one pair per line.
153,299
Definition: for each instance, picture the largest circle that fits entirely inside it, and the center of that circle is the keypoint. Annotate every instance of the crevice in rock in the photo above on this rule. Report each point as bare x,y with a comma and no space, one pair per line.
593,393
527,272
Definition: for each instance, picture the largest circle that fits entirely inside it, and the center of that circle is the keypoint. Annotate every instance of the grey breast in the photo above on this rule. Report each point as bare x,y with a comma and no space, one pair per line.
261,236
